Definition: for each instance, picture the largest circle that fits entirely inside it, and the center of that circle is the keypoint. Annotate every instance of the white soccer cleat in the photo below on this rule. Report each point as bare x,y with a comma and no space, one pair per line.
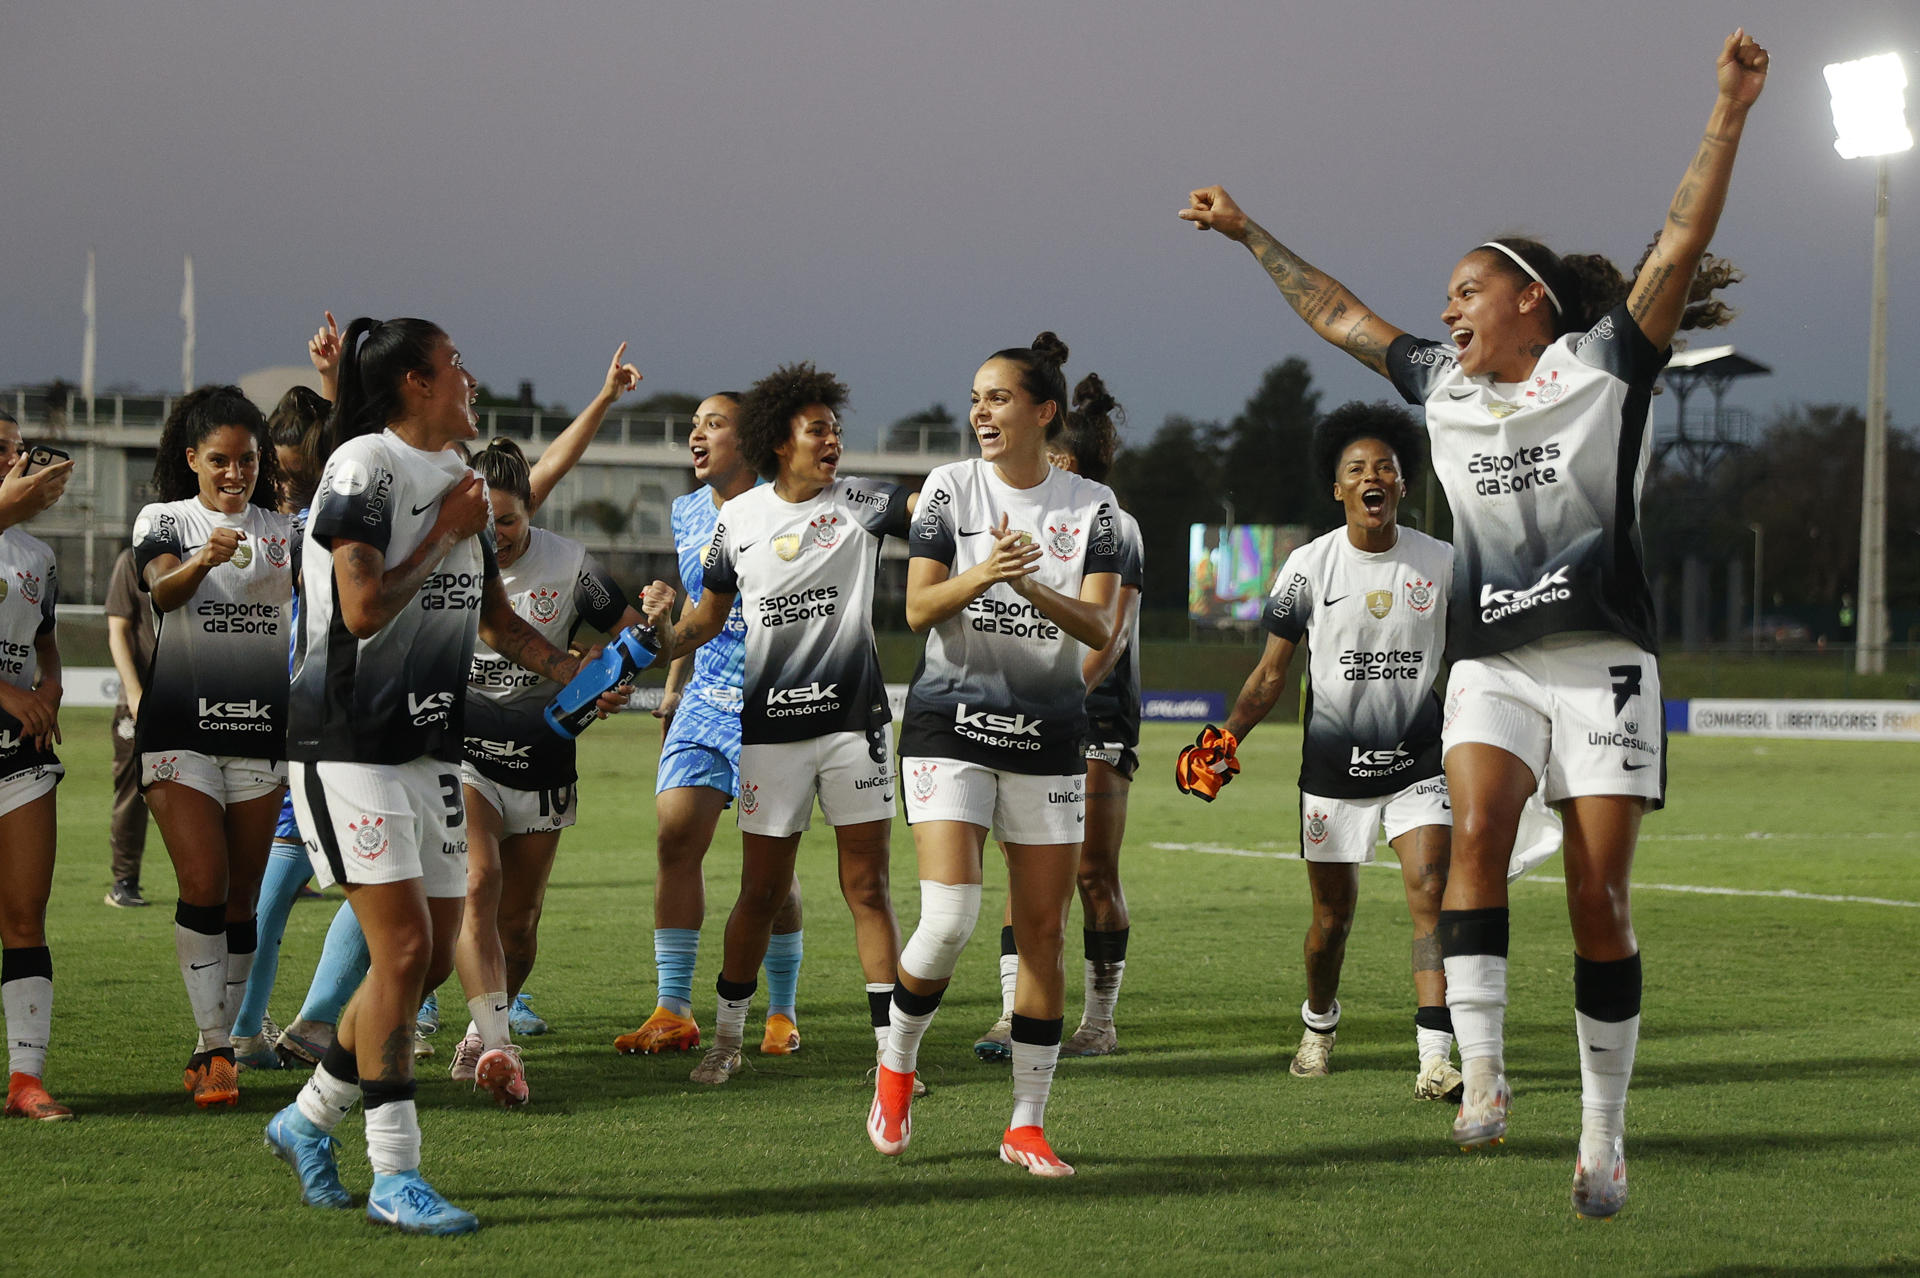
466,1059
1092,1040
1438,1080
1310,1061
1600,1182
718,1065
1482,1120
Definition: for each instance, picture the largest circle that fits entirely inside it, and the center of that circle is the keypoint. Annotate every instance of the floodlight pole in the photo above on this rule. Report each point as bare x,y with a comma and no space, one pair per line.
1759,546
1870,633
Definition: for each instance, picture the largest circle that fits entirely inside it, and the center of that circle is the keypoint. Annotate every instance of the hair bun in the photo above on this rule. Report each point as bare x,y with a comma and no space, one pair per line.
1049,346
1091,396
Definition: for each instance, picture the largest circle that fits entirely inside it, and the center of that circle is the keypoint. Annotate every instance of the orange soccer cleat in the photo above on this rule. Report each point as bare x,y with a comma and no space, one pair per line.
665,1031
27,1098
1027,1147
782,1037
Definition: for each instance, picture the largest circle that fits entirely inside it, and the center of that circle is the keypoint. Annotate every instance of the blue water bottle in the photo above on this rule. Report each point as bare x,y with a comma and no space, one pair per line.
626,655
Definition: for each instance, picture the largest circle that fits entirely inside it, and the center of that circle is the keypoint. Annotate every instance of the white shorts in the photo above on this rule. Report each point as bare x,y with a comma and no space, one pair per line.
851,772
522,811
22,788
1583,711
1345,830
228,779
1016,806
384,823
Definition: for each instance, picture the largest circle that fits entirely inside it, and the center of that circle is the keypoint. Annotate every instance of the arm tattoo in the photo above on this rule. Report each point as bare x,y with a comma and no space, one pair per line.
521,644
1656,284
1360,344
364,565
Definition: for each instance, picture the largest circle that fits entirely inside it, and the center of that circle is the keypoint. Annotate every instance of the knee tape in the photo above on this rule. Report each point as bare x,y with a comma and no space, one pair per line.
947,915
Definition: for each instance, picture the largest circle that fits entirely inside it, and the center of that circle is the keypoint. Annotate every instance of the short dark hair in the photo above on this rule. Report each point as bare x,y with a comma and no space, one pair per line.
767,412
1043,375
1389,423
198,414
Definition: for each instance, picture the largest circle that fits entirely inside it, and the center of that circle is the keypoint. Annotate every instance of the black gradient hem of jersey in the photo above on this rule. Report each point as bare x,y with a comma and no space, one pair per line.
317,804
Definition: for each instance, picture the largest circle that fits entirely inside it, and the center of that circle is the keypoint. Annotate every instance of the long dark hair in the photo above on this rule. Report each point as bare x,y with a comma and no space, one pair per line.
1091,434
1589,284
370,376
1043,376
197,415
296,422
504,467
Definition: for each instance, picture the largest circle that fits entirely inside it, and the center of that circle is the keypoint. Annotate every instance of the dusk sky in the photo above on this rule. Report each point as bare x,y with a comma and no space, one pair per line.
895,191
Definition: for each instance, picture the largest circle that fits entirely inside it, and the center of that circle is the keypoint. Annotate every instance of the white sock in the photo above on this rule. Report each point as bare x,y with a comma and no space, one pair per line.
730,1022
490,1016
324,1100
393,1138
1477,1000
1033,1066
1103,991
1433,1042
1009,977
203,969
29,1009
239,968
900,1052
1321,1022
1606,1067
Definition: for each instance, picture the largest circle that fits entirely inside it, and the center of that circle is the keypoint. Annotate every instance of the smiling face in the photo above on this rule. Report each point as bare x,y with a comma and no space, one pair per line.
1367,483
1004,417
227,463
810,455
1496,324
715,443
512,527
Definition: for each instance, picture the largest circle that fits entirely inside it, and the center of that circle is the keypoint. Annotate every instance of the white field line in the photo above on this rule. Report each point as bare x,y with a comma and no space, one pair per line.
1785,894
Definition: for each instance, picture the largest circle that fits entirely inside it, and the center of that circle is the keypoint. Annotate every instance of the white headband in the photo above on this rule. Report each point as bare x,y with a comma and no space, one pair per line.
1532,274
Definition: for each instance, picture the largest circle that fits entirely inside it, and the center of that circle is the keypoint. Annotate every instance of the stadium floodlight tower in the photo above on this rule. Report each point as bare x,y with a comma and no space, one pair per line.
1870,119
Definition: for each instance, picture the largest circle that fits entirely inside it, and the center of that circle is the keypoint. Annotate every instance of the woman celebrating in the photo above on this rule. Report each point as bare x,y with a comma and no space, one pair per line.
214,555
1015,574
1538,410
29,772
801,553
398,581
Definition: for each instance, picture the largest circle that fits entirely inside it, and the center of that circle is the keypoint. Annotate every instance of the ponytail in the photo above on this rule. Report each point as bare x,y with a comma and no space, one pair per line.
1091,435
504,467
370,375
1043,376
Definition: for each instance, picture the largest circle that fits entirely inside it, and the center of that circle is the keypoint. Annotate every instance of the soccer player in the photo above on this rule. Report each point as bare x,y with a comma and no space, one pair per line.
1015,576
1086,447
1538,410
29,772
1370,600
399,581
519,775
800,553
130,643
699,772
216,558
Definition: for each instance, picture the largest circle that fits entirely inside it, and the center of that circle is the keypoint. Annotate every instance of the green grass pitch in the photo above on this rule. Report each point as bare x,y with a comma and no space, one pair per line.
1773,1127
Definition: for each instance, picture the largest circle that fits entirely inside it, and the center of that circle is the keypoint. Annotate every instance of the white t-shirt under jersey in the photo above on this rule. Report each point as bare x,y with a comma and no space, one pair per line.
1000,684
1375,625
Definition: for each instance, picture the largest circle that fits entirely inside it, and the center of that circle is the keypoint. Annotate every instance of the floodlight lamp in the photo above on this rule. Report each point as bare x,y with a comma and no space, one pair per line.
1869,106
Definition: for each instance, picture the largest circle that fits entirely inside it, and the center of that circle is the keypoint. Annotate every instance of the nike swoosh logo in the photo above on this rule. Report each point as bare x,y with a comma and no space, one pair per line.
501,1008
201,967
420,510
1328,603
1469,393
1633,767
391,1217
972,532
1592,1048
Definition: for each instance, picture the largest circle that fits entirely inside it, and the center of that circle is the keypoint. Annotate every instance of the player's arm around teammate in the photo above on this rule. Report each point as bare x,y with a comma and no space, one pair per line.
30,693
1015,566
214,556
801,553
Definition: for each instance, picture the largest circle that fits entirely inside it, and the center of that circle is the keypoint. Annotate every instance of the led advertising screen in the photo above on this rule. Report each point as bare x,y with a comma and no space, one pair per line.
1230,569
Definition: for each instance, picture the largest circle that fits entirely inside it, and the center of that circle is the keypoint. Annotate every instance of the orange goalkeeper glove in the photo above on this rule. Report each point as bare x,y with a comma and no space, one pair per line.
1208,764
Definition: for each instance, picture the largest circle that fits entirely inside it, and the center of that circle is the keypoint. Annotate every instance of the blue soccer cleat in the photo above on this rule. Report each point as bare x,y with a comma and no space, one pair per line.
427,1020
295,1140
523,1020
409,1204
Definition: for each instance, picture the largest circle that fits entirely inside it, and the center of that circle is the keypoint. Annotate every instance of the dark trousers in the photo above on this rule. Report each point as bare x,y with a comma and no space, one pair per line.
128,829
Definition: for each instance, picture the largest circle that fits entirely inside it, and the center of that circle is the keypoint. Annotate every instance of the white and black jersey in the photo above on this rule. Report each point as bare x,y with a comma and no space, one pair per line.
1544,481
29,593
1000,684
554,586
1114,706
217,683
804,574
1375,625
398,695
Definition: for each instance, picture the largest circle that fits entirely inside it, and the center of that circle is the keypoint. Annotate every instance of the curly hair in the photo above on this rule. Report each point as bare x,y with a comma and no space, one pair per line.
1389,423
767,413
1043,376
197,415
1589,284
1090,435
505,468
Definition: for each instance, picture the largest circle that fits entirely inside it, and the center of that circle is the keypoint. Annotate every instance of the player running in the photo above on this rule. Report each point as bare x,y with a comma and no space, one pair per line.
1370,600
216,558
519,775
1015,575
399,580
1086,447
800,553
699,771
1538,410
29,771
